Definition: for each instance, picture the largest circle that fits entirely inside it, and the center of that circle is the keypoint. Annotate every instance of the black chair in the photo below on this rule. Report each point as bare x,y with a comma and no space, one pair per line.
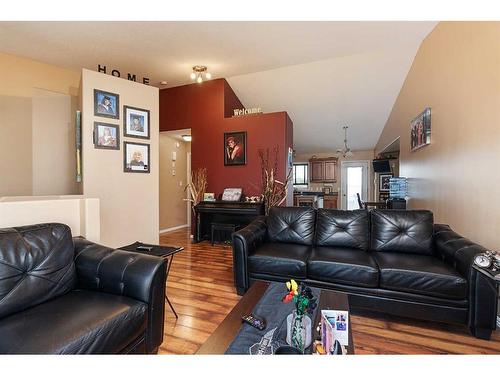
60,295
360,203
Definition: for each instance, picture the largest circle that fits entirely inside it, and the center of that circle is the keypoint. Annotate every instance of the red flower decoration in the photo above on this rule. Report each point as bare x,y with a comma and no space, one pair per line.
288,297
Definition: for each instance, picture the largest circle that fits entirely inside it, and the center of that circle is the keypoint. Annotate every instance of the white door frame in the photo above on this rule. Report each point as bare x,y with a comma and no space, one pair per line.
343,180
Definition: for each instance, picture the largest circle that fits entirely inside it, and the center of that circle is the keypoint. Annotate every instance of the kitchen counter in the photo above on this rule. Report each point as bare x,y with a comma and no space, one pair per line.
316,193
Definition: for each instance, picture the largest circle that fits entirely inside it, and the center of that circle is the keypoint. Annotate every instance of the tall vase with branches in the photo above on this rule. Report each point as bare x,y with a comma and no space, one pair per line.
197,186
274,191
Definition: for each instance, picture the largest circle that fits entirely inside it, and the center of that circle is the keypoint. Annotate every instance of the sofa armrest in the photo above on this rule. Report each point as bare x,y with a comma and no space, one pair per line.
459,252
245,241
138,276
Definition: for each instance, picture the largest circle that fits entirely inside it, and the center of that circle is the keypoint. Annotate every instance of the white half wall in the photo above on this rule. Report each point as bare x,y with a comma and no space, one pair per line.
80,214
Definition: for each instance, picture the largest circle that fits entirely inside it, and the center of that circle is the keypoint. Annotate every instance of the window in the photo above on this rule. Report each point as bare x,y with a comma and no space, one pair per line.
300,174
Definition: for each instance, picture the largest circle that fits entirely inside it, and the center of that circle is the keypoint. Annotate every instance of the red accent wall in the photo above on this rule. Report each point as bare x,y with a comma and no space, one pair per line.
205,109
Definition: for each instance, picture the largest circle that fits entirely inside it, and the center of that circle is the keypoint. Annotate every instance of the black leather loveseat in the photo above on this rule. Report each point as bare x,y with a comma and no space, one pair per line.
392,261
65,296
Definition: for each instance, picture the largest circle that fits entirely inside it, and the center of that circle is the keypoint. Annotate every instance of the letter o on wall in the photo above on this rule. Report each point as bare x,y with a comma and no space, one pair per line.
115,73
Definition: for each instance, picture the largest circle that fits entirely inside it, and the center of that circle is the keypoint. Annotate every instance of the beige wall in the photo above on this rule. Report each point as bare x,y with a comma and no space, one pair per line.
25,131
361,155
53,143
173,207
129,201
15,145
456,72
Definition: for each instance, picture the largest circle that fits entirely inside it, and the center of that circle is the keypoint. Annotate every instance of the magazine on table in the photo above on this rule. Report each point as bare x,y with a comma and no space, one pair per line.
334,326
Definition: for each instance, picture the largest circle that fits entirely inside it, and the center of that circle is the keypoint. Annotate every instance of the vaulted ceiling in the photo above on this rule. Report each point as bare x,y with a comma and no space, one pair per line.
324,74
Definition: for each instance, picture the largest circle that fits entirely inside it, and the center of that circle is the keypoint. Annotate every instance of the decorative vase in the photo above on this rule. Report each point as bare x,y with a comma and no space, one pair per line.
298,332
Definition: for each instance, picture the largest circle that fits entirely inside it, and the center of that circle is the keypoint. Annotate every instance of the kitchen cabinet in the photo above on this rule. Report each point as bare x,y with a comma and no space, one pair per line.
323,169
330,201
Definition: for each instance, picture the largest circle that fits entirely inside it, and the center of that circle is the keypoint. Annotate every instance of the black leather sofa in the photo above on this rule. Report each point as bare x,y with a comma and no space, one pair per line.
60,295
392,261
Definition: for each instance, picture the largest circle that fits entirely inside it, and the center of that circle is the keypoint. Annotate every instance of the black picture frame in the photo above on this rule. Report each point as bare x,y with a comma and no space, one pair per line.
99,95
127,131
383,181
97,144
233,157
127,167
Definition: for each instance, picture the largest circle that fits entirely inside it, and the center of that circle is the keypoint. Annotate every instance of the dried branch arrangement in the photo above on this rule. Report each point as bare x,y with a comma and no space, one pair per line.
273,191
197,186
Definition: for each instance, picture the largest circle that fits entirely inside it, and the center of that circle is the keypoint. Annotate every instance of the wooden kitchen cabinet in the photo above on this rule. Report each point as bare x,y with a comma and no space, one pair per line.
317,169
330,201
323,169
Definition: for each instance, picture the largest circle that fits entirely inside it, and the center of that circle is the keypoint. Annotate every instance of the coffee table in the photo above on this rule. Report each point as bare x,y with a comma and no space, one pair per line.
221,338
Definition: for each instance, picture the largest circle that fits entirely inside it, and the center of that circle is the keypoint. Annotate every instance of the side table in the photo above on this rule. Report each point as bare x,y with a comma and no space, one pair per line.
488,281
157,250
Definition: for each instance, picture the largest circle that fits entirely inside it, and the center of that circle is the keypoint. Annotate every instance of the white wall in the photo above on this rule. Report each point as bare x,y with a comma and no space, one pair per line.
129,201
80,214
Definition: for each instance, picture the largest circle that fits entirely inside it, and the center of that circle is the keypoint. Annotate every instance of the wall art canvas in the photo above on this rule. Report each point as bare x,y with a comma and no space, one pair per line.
136,157
106,104
235,148
136,122
420,128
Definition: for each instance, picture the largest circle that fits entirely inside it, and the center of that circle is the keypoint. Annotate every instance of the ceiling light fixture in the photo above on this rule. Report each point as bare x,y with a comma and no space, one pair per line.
345,151
187,137
200,73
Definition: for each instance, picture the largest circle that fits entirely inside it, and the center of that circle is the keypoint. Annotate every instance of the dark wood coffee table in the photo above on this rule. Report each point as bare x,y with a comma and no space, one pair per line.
221,338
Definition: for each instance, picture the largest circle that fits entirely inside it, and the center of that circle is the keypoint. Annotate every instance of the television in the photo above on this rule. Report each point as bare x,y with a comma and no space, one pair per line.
381,166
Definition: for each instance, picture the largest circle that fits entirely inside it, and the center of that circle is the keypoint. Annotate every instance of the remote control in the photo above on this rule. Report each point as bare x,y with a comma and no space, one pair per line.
142,247
259,323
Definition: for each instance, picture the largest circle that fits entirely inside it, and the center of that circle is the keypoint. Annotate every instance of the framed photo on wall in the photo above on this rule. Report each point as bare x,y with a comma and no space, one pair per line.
420,128
136,122
106,136
383,181
235,148
136,157
106,104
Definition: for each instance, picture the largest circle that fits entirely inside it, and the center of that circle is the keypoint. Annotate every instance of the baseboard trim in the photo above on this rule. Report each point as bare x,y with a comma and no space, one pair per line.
173,228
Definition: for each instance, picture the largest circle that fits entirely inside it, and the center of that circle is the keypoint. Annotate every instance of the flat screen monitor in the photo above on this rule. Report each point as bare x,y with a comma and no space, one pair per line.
381,166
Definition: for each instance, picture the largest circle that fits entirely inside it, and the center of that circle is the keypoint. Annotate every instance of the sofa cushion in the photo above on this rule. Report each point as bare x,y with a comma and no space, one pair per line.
78,322
420,274
36,264
402,231
279,259
339,228
343,266
291,225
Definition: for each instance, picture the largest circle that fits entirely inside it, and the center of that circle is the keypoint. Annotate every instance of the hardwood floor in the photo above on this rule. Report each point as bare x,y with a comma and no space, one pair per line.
200,286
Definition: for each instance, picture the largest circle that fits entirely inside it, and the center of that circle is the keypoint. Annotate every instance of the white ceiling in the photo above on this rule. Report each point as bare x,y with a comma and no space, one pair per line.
324,74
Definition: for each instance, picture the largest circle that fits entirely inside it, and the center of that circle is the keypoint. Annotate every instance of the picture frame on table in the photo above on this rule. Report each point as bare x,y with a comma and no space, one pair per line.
235,148
106,104
383,181
136,157
106,136
136,122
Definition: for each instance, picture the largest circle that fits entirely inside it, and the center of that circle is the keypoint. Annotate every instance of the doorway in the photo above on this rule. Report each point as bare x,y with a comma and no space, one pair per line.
175,171
354,180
